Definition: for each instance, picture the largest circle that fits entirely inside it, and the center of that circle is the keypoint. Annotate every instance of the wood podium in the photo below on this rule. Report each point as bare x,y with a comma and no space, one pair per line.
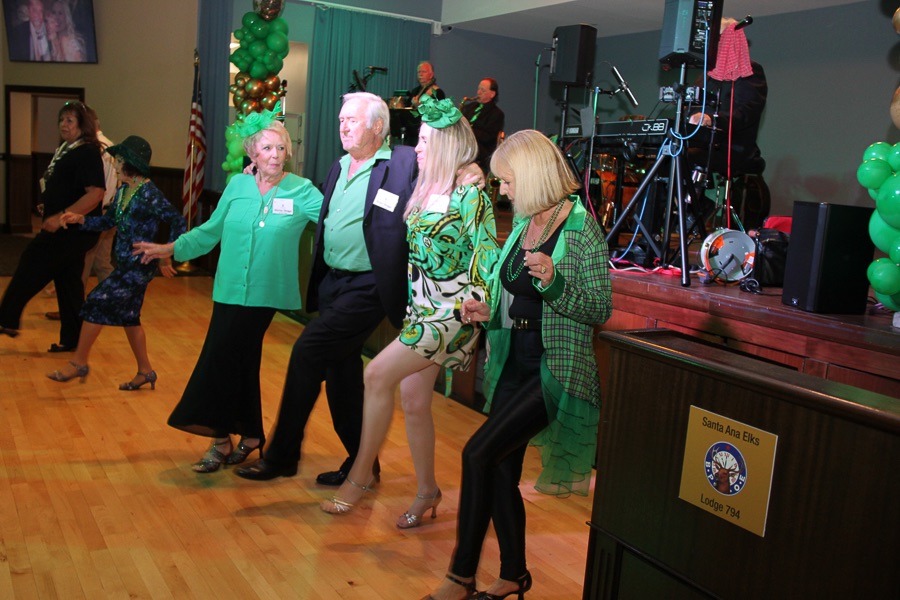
832,518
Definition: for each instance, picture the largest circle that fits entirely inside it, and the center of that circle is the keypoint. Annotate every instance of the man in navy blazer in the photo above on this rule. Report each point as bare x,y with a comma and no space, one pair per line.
359,277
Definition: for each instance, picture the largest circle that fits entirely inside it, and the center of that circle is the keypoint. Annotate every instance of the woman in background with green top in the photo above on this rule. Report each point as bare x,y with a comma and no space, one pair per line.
258,221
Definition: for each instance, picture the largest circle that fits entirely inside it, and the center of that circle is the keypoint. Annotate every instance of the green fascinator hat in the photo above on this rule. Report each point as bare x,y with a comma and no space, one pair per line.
257,121
438,113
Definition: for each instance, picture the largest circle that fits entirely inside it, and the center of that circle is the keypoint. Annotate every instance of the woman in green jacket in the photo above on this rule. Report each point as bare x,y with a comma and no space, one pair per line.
548,291
258,222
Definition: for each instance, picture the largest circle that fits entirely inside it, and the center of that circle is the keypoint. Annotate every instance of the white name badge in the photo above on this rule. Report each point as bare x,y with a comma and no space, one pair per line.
386,200
283,206
438,203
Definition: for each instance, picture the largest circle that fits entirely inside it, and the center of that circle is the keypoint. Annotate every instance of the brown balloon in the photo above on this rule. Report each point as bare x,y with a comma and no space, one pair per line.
268,9
895,108
241,78
896,20
249,106
269,100
237,100
273,83
255,88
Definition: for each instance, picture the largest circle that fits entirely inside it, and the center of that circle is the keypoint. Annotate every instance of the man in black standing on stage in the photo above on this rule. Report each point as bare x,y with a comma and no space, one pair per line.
487,120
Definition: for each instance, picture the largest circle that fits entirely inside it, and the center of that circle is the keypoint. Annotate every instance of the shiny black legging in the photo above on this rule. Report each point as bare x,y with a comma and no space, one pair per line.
492,463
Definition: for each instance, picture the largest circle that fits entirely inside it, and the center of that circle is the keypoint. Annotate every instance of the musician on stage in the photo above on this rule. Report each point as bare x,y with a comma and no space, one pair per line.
740,85
427,85
487,120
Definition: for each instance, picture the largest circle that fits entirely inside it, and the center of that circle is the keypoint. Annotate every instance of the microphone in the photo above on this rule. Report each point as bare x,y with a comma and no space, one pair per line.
382,69
624,86
748,20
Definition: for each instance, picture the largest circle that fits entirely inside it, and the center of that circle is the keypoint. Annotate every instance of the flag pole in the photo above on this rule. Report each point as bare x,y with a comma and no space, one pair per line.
186,268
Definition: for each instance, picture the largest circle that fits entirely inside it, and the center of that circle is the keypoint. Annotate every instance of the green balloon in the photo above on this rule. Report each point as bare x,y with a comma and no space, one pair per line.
884,276
873,194
258,50
235,146
258,70
883,235
249,19
888,201
239,34
890,302
275,65
893,157
877,150
894,251
873,172
279,25
260,30
277,41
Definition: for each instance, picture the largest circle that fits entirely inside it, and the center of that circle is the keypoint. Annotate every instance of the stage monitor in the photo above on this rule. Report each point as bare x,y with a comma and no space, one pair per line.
684,32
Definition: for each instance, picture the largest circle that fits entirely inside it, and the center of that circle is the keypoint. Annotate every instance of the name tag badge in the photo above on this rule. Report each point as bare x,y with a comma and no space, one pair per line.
283,206
386,200
438,203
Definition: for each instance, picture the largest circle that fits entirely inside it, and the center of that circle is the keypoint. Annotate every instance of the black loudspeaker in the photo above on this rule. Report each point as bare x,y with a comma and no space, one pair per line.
574,50
827,258
684,32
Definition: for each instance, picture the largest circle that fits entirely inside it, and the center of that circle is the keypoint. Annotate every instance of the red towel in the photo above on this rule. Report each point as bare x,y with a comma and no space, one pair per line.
733,58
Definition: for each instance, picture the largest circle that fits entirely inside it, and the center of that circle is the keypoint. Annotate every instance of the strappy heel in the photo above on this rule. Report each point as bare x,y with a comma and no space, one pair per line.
524,585
149,377
240,454
214,458
408,520
81,371
468,586
336,506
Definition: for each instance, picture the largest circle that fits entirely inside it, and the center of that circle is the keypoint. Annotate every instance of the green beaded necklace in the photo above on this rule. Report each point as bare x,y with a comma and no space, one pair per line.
544,235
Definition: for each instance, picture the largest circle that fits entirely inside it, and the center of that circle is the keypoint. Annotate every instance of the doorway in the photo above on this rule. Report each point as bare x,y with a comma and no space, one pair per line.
32,137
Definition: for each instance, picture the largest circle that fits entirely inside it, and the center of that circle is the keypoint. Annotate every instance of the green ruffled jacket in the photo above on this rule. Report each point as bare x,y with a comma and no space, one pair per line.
579,297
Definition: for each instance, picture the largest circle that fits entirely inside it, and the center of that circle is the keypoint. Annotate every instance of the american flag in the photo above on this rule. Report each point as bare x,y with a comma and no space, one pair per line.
196,153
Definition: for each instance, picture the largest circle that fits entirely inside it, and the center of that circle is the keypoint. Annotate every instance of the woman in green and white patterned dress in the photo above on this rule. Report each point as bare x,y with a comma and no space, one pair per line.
453,249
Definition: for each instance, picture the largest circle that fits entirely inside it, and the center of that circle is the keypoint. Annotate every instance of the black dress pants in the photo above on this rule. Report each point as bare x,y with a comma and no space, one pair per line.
492,463
56,257
329,350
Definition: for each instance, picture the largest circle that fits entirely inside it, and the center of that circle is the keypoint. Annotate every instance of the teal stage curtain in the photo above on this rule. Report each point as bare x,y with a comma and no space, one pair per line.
213,37
345,41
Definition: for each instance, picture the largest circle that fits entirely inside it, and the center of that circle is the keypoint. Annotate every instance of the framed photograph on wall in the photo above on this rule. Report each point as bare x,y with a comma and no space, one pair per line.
60,31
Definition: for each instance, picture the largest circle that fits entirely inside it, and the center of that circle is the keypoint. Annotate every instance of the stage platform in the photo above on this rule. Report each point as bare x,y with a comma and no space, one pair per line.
859,350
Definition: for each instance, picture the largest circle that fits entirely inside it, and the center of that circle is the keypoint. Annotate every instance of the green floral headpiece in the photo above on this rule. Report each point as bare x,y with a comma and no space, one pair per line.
257,121
438,113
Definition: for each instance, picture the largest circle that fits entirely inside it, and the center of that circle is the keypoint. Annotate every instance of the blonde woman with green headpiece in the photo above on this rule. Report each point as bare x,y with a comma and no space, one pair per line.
258,222
452,250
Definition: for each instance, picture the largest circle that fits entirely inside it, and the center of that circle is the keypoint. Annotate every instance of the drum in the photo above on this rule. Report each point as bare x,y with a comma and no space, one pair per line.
727,255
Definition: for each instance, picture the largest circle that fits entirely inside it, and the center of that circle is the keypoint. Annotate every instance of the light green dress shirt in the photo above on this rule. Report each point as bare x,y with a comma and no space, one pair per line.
258,266
344,243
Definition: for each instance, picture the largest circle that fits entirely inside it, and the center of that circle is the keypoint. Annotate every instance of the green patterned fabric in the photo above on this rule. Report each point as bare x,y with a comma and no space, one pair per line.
579,297
452,252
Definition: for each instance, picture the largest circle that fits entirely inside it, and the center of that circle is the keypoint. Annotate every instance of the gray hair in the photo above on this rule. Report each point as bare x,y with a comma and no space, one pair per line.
376,110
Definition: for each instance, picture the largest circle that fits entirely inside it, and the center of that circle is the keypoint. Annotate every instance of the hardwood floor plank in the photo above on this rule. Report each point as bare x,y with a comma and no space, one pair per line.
97,498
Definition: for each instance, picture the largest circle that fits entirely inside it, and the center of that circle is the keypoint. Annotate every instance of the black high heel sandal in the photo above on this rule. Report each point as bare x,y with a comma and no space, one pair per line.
469,586
240,454
524,585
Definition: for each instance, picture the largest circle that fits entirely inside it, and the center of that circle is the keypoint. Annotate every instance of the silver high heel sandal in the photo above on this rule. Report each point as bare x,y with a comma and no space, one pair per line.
149,377
213,458
81,371
336,506
409,520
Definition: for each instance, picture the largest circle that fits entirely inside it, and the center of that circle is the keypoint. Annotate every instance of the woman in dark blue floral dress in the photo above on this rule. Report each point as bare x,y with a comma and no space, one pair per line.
137,212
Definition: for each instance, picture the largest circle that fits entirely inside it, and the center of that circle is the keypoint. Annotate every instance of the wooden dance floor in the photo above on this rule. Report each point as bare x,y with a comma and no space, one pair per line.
97,498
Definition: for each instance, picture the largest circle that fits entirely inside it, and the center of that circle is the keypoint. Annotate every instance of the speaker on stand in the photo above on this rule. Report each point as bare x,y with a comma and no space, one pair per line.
572,62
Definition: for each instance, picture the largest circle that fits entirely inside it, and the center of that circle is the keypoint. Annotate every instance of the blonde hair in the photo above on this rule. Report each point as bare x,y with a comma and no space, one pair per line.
541,174
279,129
448,149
